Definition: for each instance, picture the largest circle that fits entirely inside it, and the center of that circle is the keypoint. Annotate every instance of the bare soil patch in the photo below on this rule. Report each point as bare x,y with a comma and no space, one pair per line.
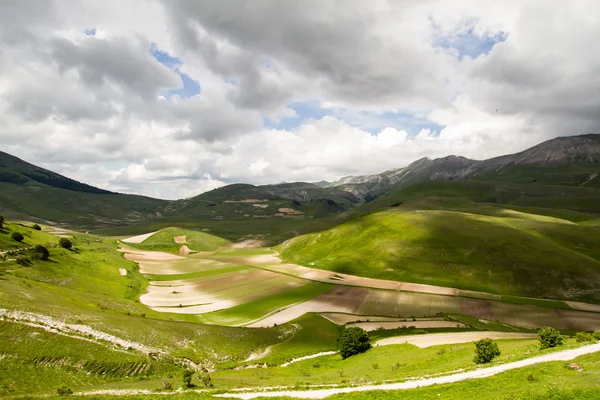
180,239
184,251
139,238
122,271
435,339
575,305
477,308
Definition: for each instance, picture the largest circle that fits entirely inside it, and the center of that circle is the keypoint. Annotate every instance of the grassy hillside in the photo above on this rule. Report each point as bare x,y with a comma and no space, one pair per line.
517,254
164,240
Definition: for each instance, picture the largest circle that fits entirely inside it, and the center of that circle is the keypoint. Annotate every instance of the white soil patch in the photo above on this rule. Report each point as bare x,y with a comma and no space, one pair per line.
435,339
122,271
246,244
141,255
373,326
260,354
260,205
184,251
139,238
180,239
475,374
215,292
295,360
575,305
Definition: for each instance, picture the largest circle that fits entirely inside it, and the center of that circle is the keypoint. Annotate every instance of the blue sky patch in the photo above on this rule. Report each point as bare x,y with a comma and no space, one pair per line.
373,122
90,32
468,42
189,86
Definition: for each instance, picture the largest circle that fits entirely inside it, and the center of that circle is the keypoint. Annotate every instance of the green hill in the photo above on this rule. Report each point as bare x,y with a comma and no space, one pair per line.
511,252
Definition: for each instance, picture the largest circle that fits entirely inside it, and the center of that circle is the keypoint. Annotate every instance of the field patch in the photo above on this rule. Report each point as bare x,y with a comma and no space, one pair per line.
339,299
373,326
251,311
215,292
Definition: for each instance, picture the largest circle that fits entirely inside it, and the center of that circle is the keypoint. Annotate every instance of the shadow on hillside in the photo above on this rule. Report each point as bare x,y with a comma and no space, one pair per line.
471,251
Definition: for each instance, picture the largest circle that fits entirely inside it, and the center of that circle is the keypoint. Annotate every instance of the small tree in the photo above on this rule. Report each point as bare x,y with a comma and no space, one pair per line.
36,227
17,236
64,390
206,379
187,378
485,351
354,341
549,337
41,252
65,243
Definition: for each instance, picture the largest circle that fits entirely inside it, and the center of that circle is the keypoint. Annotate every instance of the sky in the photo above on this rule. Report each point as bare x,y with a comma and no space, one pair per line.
173,98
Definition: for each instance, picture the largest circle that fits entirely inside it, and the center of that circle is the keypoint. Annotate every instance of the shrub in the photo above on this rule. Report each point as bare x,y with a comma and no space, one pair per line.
187,378
206,380
582,337
596,335
1,222
64,390
17,236
65,243
36,227
166,385
354,341
40,252
549,337
485,351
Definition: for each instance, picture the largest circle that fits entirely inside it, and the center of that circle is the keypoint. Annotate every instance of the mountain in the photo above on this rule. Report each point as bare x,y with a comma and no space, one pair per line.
15,170
31,192
570,161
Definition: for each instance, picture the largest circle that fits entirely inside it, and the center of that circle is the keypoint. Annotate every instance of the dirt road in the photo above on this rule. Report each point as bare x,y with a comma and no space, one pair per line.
475,374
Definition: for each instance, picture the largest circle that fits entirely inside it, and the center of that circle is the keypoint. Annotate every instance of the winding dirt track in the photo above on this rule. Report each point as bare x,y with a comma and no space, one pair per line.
476,374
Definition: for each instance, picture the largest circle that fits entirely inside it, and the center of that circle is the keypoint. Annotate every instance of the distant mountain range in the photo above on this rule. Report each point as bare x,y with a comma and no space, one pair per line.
28,191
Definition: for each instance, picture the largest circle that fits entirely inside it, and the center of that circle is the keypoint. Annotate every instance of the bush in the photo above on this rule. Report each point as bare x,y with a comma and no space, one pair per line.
17,236
65,243
354,341
187,378
64,390
596,335
582,337
40,252
1,222
549,337
485,351
206,380
36,227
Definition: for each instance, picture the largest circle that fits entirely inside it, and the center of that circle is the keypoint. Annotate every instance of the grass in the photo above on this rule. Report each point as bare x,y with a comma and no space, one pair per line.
35,360
384,363
251,311
548,381
31,237
510,256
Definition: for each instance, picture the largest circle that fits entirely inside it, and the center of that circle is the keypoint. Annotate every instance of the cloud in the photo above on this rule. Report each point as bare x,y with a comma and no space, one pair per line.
171,98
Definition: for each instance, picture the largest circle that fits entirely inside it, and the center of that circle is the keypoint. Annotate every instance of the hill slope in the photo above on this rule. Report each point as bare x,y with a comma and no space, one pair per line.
511,253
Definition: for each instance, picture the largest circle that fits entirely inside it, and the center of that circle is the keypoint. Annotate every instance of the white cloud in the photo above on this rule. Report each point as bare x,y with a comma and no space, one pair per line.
92,107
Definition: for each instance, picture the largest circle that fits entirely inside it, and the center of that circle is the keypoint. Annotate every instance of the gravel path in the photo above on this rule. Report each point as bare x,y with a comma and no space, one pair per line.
476,374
